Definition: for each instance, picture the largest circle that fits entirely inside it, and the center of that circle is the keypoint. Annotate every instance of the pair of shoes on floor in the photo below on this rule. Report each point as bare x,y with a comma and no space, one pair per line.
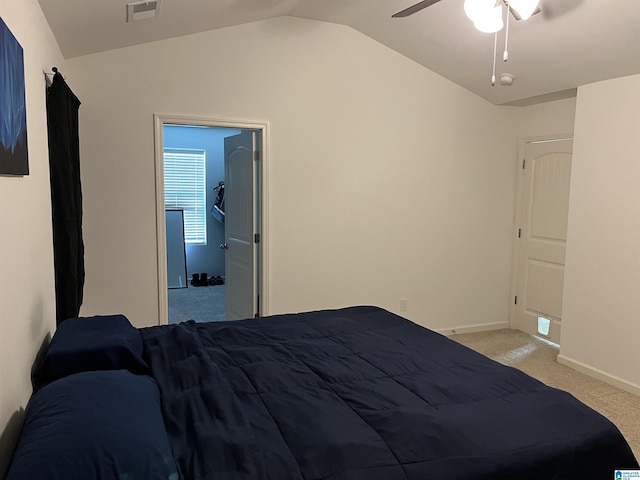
216,280
199,280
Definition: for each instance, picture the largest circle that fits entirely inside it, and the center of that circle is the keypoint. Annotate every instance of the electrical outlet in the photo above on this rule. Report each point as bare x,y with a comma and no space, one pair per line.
403,304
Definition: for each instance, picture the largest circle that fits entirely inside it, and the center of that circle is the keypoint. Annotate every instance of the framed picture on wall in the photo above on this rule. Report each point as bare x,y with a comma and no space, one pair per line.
14,159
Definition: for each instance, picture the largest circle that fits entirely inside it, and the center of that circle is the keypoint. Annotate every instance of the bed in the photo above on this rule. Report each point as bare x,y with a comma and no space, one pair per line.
349,394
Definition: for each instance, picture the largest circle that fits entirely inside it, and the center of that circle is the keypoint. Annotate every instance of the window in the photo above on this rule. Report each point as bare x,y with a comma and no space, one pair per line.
185,189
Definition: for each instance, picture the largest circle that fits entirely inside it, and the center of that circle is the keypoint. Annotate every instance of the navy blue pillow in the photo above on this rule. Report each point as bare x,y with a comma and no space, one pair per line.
84,344
95,425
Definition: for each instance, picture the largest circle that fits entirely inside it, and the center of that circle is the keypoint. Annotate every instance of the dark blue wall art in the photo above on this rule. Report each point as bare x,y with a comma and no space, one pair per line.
14,159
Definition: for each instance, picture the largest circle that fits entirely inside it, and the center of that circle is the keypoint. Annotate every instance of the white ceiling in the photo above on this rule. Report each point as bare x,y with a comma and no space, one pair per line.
571,43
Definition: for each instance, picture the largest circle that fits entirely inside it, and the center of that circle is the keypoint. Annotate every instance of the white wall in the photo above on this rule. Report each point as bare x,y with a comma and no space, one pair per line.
27,304
552,118
601,324
385,180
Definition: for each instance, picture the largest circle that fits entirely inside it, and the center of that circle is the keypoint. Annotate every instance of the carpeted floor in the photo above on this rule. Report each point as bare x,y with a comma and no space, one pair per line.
537,358
202,304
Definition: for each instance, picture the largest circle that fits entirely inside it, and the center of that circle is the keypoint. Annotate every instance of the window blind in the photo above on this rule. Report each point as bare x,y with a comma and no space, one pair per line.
185,188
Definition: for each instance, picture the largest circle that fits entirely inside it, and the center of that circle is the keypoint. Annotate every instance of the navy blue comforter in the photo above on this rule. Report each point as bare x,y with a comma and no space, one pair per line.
362,394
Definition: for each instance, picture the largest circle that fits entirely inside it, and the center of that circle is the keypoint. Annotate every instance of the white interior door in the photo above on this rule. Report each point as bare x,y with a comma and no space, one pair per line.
240,226
543,237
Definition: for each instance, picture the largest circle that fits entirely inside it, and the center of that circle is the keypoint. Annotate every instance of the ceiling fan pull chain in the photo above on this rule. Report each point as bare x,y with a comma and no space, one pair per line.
495,50
505,55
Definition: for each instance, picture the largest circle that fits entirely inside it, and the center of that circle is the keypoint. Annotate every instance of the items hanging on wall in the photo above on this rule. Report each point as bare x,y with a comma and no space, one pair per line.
217,210
66,197
14,158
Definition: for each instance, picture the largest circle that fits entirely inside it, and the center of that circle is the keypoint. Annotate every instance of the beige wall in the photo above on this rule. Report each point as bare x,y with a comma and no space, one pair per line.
601,324
385,180
545,119
27,308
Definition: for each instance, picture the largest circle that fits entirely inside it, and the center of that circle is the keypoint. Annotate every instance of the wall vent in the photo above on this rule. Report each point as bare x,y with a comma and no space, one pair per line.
142,10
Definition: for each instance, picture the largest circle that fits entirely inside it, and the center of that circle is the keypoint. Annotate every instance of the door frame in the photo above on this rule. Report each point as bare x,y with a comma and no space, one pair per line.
517,214
262,195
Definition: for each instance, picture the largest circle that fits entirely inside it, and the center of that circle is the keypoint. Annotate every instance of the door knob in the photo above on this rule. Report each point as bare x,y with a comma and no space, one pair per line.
224,246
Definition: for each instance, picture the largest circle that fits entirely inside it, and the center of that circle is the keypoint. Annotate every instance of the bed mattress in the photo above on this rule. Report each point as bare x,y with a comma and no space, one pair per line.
361,393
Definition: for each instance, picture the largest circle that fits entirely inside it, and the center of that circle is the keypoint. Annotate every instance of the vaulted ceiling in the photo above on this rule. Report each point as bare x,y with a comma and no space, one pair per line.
571,43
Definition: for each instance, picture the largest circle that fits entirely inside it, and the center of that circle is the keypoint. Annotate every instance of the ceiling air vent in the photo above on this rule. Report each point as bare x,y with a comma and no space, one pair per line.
142,10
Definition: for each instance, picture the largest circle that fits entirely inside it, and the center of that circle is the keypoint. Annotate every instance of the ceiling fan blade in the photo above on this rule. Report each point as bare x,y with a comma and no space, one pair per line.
517,16
414,8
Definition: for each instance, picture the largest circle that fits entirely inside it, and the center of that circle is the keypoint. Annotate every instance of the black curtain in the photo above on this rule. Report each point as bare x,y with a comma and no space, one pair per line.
66,197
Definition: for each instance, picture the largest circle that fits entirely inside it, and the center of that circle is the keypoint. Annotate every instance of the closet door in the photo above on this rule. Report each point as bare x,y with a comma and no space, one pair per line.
545,209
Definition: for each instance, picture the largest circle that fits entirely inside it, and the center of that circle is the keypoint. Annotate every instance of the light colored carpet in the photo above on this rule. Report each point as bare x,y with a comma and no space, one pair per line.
537,358
202,304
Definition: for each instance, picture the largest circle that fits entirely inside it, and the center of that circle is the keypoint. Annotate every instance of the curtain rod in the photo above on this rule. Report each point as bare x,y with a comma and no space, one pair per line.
48,75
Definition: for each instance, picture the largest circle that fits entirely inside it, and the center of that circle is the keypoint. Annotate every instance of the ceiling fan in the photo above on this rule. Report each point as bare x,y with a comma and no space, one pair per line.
487,16
427,3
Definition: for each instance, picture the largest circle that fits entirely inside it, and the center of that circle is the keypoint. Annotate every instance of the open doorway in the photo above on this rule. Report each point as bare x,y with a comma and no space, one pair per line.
194,181
211,173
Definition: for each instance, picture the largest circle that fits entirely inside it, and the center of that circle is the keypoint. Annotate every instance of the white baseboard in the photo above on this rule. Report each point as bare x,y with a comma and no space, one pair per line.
599,374
480,327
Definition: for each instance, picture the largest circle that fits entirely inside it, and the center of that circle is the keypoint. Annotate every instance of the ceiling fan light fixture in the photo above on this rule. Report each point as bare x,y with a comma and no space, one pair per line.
487,16
491,21
524,8
476,9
